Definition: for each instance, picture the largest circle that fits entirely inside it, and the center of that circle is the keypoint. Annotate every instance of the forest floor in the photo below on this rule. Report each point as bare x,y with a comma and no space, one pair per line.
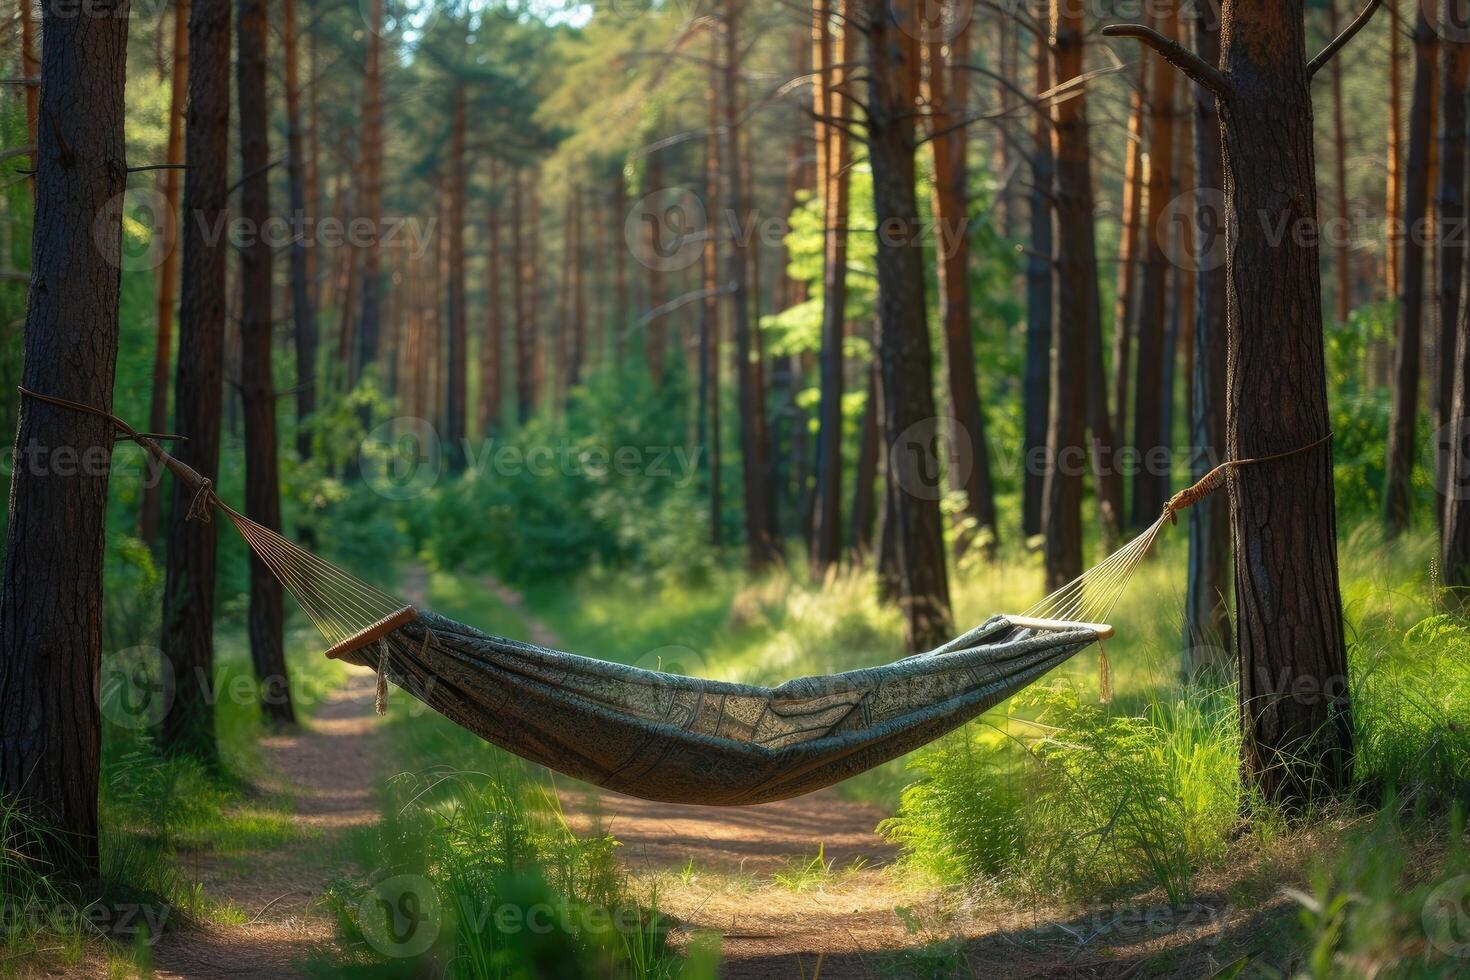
803,888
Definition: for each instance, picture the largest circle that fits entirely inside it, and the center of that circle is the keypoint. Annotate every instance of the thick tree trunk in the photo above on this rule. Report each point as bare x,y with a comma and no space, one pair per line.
1450,199
1151,478
51,591
1455,465
371,204
1342,251
257,390
1124,304
1207,632
835,181
1293,663
168,273
1077,292
493,341
948,79
187,636
303,312
903,335
1394,184
1399,470
458,393
763,547
1040,306
709,316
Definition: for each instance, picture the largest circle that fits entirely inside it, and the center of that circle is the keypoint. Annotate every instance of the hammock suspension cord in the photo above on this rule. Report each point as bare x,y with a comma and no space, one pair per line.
352,614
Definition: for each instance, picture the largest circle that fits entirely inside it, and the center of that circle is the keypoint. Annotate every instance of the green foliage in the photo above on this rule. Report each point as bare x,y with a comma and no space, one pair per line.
611,484
1360,408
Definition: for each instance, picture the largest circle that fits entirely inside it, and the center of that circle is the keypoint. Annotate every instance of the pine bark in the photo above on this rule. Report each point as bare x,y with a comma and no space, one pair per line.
168,273
371,202
948,106
187,636
1207,631
1450,199
51,590
1297,734
1342,249
1040,305
1077,291
458,393
903,348
763,548
837,158
1125,302
524,369
1150,440
257,390
709,316
1408,349
492,342
303,312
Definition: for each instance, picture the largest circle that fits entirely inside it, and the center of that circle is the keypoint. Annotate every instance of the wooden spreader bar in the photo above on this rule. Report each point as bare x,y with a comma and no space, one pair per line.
373,633
1103,631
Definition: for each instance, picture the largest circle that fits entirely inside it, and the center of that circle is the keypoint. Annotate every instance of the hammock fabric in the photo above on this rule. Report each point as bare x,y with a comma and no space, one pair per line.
666,736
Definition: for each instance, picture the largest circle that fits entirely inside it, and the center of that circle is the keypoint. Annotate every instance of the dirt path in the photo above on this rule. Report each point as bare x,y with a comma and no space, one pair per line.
328,768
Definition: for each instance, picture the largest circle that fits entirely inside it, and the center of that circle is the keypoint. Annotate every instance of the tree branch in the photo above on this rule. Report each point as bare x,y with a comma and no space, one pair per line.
1177,55
1337,43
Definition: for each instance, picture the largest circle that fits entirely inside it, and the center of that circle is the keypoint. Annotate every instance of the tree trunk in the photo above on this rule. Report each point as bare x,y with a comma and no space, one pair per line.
1150,440
1076,282
948,79
1451,201
578,352
656,339
1342,257
1394,185
458,393
525,370
709,317
51,591
865,474
620,270
1132,220
371,204
168,273
1040,306
303,312
1455,466
763,547
835,181
31,68
493,341
187,636
903,337
1297,735
257,391
1399,470
1207,638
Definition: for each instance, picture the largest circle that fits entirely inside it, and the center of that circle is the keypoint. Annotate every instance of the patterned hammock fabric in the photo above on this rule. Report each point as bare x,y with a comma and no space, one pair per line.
681,739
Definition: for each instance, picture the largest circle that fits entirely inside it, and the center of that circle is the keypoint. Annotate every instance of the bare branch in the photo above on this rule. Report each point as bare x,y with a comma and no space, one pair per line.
1177,55
1337,43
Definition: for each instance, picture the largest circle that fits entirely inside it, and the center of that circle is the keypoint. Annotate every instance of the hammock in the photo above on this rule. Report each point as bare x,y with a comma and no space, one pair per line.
665,736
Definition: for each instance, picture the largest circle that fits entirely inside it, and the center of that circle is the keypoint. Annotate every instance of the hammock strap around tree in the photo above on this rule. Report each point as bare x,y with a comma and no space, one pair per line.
351,614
